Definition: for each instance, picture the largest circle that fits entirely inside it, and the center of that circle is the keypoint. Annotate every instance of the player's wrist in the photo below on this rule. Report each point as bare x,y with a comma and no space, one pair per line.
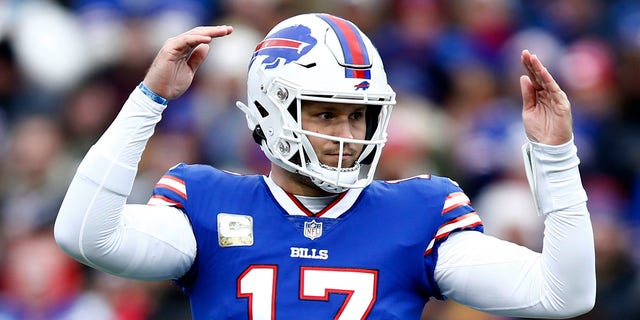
565,148
152,95
554,176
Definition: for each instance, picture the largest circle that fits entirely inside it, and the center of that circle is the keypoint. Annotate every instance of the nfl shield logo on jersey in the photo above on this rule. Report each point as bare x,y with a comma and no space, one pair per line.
312,229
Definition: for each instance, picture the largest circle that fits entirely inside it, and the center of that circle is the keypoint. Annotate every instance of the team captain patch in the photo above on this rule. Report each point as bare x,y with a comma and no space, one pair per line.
235,230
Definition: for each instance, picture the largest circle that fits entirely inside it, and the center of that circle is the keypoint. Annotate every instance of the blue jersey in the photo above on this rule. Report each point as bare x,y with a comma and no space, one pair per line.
370,254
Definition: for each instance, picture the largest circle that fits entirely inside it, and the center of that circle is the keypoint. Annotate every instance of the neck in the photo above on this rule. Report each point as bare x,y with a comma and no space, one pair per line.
295,183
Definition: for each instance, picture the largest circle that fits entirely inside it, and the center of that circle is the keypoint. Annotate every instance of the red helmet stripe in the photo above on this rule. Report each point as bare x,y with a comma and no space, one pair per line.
283,43
353,47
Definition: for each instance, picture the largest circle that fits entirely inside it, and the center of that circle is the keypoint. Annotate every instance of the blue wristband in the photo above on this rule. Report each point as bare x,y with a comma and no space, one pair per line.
152,95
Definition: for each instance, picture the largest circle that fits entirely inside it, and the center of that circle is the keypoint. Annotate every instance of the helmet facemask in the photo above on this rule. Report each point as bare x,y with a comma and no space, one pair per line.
341,176
276,96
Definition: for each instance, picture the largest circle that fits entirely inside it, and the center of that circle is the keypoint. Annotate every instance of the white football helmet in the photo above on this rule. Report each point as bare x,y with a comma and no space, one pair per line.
316,57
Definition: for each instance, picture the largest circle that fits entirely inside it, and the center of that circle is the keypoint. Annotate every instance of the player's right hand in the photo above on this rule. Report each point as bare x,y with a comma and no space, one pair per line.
546,111
173,69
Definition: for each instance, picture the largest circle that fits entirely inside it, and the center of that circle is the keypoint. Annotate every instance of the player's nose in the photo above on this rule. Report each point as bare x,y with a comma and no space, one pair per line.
342,128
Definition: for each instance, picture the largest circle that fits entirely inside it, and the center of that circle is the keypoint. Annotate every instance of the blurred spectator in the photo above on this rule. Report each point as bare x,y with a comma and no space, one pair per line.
129,299
227,142
485,122
10,83
121,30
38,170
39,281
166,148
408,43
50,45
618,149
418,142
507,210
260,15
586,72
569,19
89,109
485,24
366,14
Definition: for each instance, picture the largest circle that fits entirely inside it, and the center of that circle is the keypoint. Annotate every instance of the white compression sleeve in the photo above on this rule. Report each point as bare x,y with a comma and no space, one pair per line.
97,227
502,278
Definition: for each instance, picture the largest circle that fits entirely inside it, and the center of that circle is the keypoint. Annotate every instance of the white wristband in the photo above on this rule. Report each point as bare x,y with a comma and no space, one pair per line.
553,176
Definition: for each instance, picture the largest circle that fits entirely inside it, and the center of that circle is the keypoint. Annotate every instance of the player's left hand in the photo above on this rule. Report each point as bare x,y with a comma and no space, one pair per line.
546,110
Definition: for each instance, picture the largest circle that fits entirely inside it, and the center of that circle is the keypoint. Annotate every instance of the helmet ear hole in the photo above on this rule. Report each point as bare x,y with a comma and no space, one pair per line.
262,110
258,135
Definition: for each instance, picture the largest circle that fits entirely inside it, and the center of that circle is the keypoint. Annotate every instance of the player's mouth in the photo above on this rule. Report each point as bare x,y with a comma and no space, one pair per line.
332,159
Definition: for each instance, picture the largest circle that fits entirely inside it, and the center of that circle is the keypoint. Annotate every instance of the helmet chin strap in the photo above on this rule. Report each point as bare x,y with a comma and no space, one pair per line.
335,175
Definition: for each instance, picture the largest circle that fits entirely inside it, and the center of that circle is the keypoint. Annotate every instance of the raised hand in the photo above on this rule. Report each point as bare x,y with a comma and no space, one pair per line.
546,110
173,69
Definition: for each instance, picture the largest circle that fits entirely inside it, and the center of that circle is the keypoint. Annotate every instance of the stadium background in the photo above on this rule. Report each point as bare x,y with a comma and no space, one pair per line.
67,66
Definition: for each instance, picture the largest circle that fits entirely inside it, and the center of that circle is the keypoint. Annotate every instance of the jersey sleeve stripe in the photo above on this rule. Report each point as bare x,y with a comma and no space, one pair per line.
174,184
466,221
454,201
158,200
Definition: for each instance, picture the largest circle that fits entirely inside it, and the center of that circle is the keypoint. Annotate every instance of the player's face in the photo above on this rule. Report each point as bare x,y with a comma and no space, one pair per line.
339,120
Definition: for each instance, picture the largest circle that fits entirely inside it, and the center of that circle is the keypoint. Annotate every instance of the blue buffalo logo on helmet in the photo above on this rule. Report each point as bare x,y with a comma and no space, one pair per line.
288,44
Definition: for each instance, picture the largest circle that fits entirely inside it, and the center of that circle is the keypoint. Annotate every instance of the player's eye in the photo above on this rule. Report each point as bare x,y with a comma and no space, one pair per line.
357,115
325,115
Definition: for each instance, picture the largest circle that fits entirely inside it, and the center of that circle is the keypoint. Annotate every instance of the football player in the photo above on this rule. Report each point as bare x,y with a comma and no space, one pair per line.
318,236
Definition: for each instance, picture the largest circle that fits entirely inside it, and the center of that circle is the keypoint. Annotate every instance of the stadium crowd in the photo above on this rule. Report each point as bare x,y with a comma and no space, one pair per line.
66,67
